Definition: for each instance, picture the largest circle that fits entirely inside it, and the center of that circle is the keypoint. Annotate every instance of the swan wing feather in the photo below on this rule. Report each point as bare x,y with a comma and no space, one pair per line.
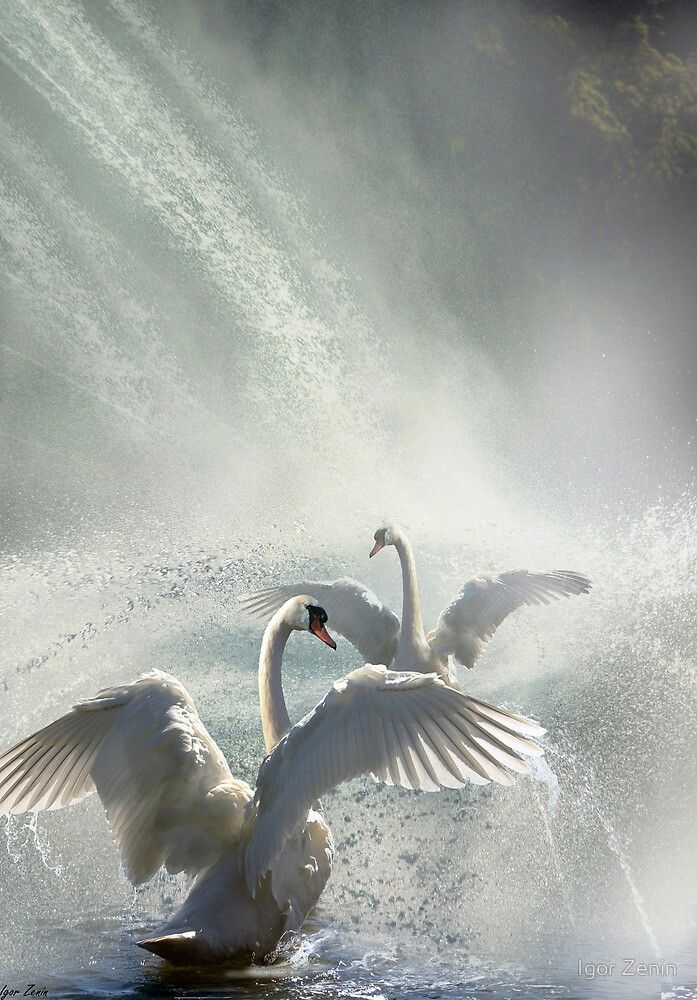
353,609
168,793
406,729
471,619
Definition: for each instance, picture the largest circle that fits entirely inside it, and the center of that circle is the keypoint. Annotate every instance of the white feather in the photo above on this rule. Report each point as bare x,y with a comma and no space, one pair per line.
353,610
167,791
408,729
470,620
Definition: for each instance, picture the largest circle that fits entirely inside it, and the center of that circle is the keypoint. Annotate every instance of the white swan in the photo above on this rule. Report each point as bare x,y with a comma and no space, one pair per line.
261,859
463,628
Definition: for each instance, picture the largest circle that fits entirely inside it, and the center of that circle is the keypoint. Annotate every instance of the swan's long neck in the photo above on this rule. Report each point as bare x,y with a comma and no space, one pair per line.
412,638
275,721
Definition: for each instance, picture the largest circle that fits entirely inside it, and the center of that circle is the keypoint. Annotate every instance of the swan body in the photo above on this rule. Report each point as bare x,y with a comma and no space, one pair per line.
222,921
463,628
260,859
170,801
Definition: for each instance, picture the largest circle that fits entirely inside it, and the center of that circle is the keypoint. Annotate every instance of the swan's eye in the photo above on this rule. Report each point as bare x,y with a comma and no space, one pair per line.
317,614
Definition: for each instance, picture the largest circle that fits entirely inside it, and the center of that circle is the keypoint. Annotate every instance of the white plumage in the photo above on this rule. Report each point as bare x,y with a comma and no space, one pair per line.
407,729
353,610
167,791
464,626
260,860
471,619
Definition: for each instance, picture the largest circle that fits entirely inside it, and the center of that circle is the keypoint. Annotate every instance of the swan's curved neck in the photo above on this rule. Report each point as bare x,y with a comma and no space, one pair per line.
275,721
412,637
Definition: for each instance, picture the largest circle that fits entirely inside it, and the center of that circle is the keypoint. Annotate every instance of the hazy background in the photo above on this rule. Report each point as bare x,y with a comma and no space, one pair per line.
270,272
264,254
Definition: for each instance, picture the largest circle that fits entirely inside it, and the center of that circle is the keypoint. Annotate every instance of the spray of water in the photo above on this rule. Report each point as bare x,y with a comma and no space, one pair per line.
207,387
584,785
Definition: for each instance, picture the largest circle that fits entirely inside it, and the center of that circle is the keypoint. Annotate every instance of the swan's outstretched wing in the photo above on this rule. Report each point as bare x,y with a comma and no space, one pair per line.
353,610
466,625
407,729
168,793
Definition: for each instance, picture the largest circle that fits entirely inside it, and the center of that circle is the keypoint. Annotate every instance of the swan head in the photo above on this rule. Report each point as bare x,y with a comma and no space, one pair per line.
304,614
387,534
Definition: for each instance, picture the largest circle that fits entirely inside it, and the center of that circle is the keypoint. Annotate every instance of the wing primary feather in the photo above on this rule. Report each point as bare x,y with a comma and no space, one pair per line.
499,759
39,787
420,749
31,746
362,739
20,788
512,741
502,753
391,742
14,779
60,777
465,720
82,765
54,730
380,766
355,739
405,754
465,749
428,779
517,724
444,747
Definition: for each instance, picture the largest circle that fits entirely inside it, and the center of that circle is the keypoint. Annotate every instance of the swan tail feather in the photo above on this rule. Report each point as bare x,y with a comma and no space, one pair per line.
182,948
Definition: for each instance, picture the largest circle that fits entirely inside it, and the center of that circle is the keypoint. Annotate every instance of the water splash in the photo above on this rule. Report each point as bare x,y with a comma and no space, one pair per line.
586,784
544,774
23,833
185,341
621,854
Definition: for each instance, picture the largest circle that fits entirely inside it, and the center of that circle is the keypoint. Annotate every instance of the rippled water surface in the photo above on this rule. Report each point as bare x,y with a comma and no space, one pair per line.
199,397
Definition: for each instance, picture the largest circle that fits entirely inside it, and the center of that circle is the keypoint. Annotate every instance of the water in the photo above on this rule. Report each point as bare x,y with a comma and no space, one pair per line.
200,395
586,788
496,890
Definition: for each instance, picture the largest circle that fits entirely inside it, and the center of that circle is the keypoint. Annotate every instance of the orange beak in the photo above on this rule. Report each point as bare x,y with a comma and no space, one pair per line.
376,548
318,629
